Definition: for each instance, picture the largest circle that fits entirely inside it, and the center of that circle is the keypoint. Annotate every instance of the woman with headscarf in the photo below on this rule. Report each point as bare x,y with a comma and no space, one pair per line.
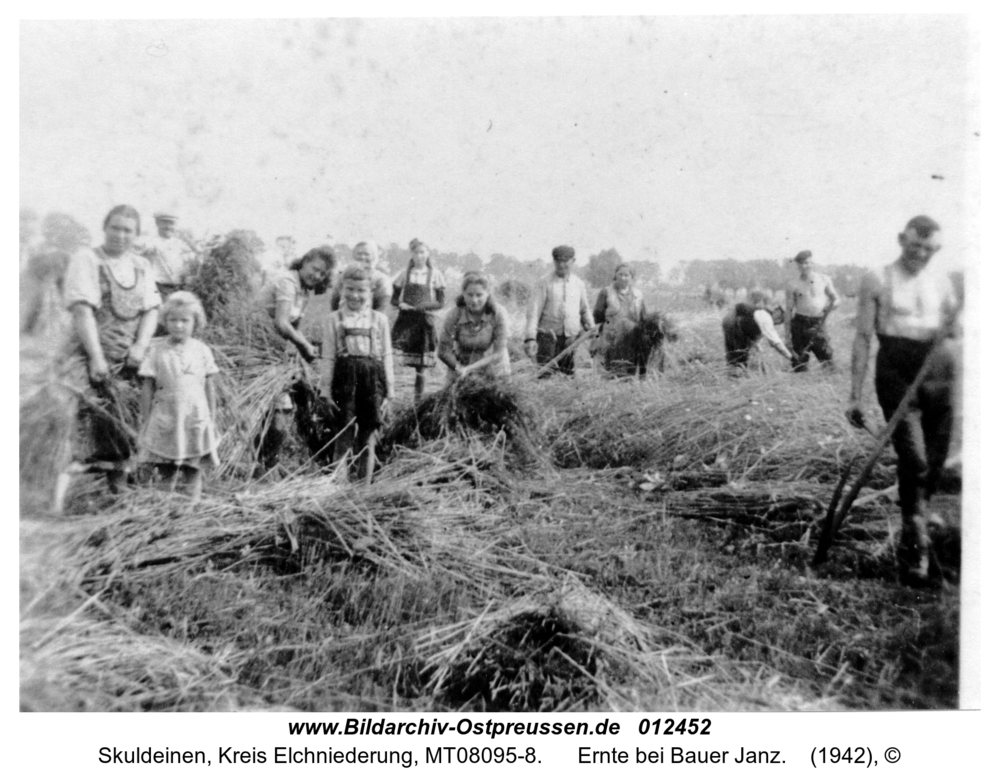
474,330
417,291
619,309
112,296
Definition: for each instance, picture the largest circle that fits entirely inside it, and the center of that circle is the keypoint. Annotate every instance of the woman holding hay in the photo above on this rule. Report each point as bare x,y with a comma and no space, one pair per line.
286,296
417,291
356,373
619,309
112,296
366,254
474,336
178,396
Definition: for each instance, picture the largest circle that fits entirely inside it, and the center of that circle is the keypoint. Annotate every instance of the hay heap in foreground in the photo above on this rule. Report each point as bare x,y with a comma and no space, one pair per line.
306,587
474,406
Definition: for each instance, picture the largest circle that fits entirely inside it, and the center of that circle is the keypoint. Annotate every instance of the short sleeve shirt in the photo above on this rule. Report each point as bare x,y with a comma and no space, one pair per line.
285,286
83,278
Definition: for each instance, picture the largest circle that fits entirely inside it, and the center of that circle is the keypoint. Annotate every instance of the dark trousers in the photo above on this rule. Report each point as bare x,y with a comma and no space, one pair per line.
922,438
809,335
739,340
550,345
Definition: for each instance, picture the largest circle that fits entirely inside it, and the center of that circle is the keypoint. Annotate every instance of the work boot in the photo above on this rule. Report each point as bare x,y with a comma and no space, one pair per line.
913,552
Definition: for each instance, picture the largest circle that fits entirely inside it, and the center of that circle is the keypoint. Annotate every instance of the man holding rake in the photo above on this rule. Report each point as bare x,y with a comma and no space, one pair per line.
559,311
911,310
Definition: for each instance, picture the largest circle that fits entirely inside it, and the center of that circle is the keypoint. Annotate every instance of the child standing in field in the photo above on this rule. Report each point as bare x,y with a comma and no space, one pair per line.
356,372
178,396
417,291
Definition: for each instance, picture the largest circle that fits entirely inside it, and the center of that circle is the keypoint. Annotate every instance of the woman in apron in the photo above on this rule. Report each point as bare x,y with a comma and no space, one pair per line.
113,300
619,309
417,291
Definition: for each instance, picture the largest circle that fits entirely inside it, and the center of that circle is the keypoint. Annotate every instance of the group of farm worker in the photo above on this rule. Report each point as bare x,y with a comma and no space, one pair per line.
118,298
913,313
809,299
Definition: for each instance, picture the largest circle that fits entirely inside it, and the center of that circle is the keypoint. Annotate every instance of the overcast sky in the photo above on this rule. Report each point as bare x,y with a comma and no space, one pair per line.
668,138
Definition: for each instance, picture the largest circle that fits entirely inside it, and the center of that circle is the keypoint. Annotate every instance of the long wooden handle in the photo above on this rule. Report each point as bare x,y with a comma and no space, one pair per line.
833,521
569,349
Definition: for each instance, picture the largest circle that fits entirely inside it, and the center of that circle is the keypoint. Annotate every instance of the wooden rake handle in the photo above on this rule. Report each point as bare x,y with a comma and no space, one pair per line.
589,333
835,516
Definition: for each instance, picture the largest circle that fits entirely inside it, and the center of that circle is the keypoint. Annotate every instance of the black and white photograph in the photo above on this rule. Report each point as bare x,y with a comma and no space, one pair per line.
555,364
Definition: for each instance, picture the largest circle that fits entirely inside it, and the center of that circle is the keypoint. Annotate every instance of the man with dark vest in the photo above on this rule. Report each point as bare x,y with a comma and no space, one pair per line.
559,311
746,324
911,309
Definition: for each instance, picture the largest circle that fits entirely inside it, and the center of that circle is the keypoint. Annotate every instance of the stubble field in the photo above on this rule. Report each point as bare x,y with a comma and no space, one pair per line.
645,546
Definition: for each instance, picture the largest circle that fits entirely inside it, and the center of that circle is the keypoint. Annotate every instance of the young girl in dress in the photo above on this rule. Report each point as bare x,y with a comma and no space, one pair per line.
356,366
417,291
178,396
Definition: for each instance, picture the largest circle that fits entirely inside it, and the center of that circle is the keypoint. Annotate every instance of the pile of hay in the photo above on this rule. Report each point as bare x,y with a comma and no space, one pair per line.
473,406
559,648
309,588
775,429
228,276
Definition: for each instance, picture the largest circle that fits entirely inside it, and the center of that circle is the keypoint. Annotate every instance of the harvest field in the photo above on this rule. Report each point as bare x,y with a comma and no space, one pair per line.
637,546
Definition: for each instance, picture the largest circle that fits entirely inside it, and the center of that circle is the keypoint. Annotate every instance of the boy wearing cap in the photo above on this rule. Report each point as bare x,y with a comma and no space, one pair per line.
910,309
559,310
809,298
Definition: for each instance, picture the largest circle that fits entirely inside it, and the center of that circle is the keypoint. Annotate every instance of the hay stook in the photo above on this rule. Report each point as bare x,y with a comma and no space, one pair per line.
471,406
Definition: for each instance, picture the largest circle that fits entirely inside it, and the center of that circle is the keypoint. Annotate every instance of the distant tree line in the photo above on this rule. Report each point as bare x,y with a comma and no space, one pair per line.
758,273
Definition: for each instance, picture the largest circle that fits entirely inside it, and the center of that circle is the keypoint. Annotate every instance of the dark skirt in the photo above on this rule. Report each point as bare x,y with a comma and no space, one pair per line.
414,336
358,389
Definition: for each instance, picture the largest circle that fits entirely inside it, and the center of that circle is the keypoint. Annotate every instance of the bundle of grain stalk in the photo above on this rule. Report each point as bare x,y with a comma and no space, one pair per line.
769,428
471,406
55,391
416,522
561,647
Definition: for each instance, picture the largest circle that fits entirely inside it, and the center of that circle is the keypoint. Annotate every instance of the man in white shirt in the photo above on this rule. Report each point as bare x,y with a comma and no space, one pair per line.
910,309
746,324
809,299
169,255
559,310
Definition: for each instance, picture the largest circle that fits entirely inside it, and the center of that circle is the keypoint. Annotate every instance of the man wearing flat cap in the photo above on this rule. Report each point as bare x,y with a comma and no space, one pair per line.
809,298
559,311
169,255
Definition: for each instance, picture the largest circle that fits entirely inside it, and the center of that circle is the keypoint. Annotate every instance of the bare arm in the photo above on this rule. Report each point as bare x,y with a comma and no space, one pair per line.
283,326
832,298
147,326
85,327
861,348
766,324
146,398
210,394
